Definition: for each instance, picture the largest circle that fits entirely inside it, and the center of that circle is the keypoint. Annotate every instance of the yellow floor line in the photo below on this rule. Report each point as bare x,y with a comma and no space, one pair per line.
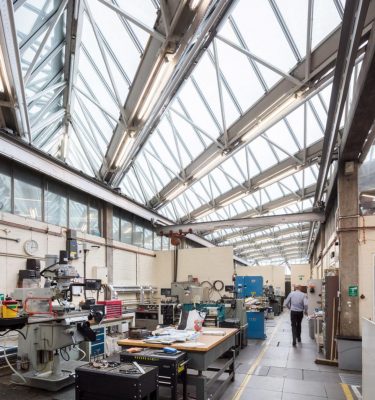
346,389
251,370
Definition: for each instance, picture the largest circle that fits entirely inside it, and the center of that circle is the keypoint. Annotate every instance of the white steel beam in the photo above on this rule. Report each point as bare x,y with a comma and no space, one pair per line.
74,22
39,161
273,103
236,223
163,68
11,71
354,22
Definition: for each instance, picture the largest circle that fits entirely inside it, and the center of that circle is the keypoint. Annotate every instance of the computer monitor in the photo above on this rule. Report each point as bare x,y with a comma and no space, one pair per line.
167,292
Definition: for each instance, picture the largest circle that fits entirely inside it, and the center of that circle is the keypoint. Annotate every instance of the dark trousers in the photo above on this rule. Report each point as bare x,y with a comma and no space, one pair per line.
296,319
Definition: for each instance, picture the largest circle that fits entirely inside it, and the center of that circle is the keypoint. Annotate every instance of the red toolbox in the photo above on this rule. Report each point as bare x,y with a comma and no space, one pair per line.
113,308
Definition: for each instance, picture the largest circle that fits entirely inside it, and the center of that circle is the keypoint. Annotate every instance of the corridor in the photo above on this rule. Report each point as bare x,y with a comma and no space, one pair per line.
275,370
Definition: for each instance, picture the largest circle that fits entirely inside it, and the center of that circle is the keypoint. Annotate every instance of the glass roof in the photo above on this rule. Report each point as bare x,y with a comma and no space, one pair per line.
222,145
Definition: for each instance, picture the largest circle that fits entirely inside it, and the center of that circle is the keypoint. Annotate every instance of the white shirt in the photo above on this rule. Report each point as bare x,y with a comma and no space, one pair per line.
296,301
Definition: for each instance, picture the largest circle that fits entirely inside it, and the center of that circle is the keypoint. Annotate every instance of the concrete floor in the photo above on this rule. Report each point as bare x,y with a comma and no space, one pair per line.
273,369
270,369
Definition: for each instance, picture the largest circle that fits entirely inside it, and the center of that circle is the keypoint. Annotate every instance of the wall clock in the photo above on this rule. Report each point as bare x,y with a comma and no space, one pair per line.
30,247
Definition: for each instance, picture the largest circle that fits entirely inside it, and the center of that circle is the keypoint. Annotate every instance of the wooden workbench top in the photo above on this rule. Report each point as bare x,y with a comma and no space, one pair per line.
210,341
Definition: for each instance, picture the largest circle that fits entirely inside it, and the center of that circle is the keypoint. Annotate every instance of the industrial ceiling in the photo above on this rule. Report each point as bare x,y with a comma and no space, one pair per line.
200,110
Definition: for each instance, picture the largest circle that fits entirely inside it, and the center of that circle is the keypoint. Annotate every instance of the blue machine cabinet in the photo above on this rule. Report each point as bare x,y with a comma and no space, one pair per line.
94,349
256,325
247,286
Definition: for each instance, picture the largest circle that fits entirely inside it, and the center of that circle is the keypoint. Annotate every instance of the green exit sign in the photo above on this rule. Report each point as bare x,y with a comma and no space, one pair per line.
353,291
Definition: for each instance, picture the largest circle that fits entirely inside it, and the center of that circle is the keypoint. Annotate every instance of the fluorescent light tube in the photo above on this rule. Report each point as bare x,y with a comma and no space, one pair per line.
175,192
209,166
233,199
277,178
124,151
370,196
155,89
270,119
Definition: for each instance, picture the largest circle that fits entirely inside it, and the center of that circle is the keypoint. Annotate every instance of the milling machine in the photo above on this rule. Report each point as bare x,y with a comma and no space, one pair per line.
54,326
189,292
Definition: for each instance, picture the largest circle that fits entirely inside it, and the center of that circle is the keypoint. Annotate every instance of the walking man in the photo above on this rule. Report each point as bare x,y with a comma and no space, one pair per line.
297,304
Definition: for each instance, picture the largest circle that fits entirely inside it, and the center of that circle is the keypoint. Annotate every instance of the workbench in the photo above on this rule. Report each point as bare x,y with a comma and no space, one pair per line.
201,358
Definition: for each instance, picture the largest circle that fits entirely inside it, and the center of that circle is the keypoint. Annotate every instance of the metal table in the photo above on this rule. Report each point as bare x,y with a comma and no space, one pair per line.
201,359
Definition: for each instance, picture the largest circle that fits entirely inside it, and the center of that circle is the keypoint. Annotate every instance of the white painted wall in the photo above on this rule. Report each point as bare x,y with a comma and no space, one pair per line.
300,274
368,359
53,239
366,240
207,264
275,274
131,265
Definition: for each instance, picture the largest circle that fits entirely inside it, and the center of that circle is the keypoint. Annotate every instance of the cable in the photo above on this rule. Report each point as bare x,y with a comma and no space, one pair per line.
63,349
82,351
209,284
13,330
46,269
12,368
215,285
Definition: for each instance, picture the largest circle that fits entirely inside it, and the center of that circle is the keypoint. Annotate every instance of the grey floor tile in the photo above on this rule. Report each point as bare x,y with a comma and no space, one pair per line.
262,370
328,368
320,376
302,365
294,396
277,372
290,373
230,393
243,368
334,391
238,380
272,362
304,387
266,383
260,394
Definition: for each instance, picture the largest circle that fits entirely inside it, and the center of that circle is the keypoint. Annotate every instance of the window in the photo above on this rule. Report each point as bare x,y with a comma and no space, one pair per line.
116,227
148,236
5,188
165,242
94,218
78,212
138,236
55,204
157,241
126,231
27,194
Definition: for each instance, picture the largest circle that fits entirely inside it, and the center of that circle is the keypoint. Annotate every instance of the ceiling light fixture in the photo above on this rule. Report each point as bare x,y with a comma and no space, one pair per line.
205,169
194,4
155,88
370,196
175,192
124,149
204,213
277,178
262,124
233,199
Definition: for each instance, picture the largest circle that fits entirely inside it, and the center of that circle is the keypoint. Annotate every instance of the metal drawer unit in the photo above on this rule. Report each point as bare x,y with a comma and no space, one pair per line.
171,367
